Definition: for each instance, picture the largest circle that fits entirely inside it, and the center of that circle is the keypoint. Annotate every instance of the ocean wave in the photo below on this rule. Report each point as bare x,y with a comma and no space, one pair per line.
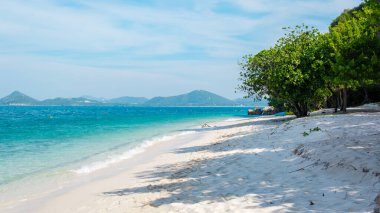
128,154
234,119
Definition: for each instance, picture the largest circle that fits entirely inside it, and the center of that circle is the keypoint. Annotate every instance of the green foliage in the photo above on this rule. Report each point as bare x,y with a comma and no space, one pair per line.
355,43
305,67
354,53
346,15
315,129
278,104
292,71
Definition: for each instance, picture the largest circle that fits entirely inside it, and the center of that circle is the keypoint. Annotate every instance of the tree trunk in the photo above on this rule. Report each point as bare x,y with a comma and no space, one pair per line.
340,99
344,99
334,98
302,109
298,110
305,109
366,100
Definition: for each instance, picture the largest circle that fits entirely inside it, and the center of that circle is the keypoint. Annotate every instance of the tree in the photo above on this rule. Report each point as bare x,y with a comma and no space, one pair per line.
292,71
305,67
355,43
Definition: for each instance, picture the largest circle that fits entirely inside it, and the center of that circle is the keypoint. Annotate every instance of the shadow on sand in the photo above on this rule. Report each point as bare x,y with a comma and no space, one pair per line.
210,180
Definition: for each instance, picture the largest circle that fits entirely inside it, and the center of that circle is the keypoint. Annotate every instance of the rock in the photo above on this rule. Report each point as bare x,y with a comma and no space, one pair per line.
269,110
256,111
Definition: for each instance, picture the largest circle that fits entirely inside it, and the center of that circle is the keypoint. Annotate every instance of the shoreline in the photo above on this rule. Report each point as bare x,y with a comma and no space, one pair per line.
151,147
261,164
46,181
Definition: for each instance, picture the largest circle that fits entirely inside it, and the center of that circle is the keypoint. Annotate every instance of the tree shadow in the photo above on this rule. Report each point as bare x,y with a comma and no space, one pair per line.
192,183
238,175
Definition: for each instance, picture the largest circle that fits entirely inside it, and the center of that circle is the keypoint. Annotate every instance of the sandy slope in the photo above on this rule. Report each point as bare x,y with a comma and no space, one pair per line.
328,163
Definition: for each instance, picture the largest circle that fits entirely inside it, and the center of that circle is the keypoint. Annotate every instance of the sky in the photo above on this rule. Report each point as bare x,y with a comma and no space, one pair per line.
66,48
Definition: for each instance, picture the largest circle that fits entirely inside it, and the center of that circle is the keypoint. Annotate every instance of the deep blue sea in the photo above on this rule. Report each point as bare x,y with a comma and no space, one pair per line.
52,140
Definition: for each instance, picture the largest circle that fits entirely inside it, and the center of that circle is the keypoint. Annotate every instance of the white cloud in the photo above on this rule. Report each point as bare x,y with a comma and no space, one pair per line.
92,45
296,7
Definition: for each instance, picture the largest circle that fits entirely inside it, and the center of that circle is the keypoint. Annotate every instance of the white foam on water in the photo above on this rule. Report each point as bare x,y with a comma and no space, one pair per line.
128,154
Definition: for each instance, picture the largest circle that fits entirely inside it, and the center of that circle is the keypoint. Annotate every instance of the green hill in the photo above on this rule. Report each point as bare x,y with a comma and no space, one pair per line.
194,98
70,102
128,100
18,98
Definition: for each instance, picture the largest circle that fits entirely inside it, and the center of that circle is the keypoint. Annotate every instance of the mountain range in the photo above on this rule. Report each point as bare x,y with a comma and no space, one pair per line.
194,98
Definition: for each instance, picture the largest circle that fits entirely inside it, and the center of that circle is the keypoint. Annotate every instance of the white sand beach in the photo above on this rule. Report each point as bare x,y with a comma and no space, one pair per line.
322,163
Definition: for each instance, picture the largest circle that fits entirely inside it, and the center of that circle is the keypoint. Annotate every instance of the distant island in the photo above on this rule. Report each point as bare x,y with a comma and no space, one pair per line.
194,98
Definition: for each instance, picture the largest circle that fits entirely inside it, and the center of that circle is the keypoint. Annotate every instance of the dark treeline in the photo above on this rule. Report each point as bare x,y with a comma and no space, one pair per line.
307,69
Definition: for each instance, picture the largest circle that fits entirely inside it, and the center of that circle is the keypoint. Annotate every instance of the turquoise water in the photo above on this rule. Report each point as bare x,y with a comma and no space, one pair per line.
54,140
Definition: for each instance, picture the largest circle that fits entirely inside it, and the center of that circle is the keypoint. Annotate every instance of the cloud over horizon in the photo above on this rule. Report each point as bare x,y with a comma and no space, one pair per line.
141,48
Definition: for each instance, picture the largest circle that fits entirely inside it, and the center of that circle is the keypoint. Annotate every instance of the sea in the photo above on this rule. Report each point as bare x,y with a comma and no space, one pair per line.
38,142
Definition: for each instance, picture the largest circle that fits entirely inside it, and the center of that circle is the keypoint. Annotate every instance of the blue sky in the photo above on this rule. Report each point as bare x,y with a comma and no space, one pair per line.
66,48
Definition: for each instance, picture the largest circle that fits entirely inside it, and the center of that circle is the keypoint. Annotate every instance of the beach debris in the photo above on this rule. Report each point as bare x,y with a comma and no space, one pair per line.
354,167
153,204
326,165
205,125
303,168
299,150
151,187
